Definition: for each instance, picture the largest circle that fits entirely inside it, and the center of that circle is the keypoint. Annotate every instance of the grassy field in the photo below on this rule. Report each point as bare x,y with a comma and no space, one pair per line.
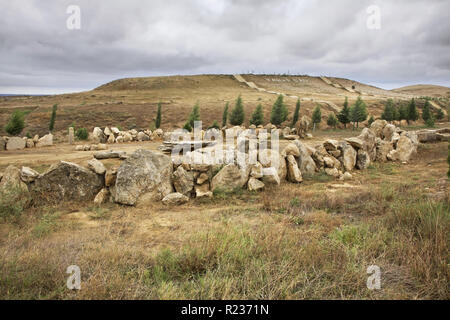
313,240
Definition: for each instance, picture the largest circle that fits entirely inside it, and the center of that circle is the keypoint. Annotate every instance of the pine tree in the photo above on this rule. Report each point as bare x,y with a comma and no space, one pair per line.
257,116
389,111
194,116
358,112
225,115
332,120
344,115
430,121
215,125
371,120
316,116
237,114
279,112
16,123
51,126
158,117
296,113
403,113
412,113
426,112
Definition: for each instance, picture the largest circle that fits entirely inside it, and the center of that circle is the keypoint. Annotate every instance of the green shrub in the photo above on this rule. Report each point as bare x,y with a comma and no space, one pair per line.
215,125
81,134
257,116
158,117
16,123
332,120
237,114
316,116
279,111
194,116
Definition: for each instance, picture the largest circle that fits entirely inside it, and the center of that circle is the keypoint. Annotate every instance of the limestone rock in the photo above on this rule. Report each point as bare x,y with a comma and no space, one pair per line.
293,172
96,166
2,144
15,143
362,160
127,137
45,141
68,181
333,172
28,175
202,191
102,196
98,136
175,199
142,137
109,154
270,176
202,178
110,176
271,158
331,145
348,156
355,142
291,149
11,181
30,143
383,149
306,164
256,171
111,139
255,184
145,174
377,127
228,178
71,136
404,151
388,132
183,181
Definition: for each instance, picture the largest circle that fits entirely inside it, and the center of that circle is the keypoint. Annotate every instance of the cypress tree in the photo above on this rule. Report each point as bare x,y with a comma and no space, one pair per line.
426,112
225,115
158,116
389,111
316,116
237,114
279,111
296,113
257,116
332,121
194,116
371,120
344,115
412,113
51,126
358,112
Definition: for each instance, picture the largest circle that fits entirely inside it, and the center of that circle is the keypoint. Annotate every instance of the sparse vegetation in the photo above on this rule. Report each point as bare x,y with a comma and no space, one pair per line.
332,120
16,123
81,134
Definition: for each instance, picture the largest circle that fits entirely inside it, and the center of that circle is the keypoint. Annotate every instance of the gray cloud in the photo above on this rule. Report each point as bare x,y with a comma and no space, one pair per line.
142,38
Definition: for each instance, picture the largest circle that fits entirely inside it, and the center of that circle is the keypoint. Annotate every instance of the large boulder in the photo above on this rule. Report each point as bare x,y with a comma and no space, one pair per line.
255,184
293,172
383,149
12,182
270,176
142,137
28,175
96,166
331,145
68,181
388,132
15,143
144,175
229,178
203,190
406,148
348,158
45,141
291,149
271,158
368,137
362,160
305,162
98,136
377,127
183,181
2,144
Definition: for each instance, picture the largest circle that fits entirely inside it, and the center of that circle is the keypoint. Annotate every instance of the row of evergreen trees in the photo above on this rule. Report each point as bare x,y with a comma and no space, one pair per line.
410,113
278,114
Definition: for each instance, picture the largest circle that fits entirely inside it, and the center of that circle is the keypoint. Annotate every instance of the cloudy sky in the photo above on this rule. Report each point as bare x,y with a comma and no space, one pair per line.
128,38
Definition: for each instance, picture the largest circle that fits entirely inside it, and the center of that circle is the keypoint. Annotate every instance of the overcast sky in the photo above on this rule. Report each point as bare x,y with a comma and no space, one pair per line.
127,38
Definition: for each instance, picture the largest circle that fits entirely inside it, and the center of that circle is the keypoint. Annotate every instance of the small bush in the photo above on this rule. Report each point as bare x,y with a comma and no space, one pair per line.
16,123
81,134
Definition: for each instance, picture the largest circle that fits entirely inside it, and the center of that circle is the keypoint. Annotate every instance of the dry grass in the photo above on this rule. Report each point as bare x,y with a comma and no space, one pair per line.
308,241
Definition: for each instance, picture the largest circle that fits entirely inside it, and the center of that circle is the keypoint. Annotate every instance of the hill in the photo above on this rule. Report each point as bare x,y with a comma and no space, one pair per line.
132,102
425,90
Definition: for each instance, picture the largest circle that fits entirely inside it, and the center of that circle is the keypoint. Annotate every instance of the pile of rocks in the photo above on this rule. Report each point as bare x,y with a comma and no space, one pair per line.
18,143
114,135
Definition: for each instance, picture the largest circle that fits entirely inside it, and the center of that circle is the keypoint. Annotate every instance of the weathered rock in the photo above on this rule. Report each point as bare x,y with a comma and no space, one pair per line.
110,176
115,130
369,138
28,175
45,141
383,149
271,158
109,154
306,164
15,143
404,151
98,136
102,146
291,149
30,143
355,142
348,156
292,137
202,191
377,127
119,139
335,153
183,181
293,172
127,137
202,178
145,175
229,178
331,162
12,182
111,139
102,196
96,166
107,131
36,138
256,171
71,136
331,145
362,160
270,176
175,199
142,137
388,131
79,147
68,181
333,172
255,184
346,176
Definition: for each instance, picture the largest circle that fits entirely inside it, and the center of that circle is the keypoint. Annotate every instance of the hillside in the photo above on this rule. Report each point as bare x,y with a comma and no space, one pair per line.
422,90
132,102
